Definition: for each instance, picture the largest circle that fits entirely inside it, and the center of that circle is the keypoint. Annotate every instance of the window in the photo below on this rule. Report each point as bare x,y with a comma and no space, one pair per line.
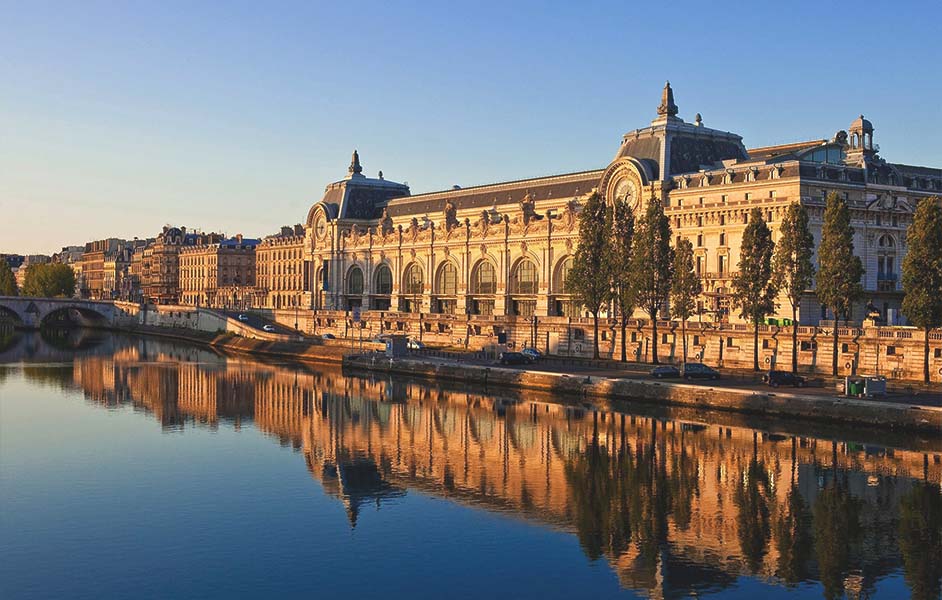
700,221
699,265
722,239
747,195
355,281
484,279
772,193
891,350
696,340
448,280
700,240
725,197
895,221
808,345
845,348
524,278
730,342
562,272
722,219
721,264
765,344
701,200
383,280
413,281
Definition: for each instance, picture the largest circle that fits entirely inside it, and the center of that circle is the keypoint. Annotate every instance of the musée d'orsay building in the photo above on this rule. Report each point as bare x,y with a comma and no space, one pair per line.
504,249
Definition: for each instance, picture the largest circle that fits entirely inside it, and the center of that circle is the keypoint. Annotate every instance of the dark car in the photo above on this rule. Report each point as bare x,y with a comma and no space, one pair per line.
700,371
514,358
665,371
777,378
533,353
327,336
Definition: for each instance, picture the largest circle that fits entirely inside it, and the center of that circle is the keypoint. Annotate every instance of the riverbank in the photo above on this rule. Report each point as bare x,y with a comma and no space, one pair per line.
835,409
832,409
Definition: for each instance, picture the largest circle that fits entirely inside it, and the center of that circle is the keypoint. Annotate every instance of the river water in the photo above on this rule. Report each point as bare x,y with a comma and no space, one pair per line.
139,467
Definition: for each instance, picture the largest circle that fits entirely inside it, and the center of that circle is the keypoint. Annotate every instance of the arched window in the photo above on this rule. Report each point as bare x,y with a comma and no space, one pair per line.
484,279
355,281
413,281
886,241
383,280
448,280
562,272
524,279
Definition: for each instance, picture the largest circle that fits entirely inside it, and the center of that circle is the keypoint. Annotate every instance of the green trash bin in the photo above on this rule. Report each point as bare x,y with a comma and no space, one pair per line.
855,388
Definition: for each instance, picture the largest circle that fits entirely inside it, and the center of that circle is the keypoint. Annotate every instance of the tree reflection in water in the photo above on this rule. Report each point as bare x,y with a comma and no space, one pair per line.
836,534
920,540
793,532
752,500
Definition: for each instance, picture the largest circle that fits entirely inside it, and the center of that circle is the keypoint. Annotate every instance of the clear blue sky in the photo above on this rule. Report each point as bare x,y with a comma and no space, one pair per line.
116,118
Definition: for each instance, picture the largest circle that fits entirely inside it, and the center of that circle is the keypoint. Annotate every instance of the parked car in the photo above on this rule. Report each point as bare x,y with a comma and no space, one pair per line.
700,371
381,339
513,358
243,317
665,371
533,353
415,345
328,336
777,378
268,328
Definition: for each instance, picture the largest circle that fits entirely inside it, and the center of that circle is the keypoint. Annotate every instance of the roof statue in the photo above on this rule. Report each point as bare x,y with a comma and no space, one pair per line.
667,106
355,168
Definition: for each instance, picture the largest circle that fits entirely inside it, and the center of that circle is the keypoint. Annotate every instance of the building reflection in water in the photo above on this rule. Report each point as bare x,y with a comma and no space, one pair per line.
674,507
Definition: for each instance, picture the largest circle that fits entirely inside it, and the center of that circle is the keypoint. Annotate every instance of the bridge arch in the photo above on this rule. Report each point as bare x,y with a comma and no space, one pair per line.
73,315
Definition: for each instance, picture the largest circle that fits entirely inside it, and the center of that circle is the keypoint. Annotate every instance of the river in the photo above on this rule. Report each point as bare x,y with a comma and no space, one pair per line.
147,468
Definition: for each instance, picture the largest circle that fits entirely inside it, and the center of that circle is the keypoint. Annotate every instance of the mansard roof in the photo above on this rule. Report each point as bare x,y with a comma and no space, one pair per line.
564,186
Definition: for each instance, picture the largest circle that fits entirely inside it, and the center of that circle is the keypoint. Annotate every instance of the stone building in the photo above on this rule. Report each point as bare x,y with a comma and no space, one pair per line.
504,249
160,263
104,266
218,274
283,270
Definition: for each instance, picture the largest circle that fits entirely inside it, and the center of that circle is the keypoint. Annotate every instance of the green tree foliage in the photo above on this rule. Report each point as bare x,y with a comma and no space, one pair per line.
792,265
622,229
839,269
685,288
920,540
49,281
753,288
652,265
588,280
7,280
922,272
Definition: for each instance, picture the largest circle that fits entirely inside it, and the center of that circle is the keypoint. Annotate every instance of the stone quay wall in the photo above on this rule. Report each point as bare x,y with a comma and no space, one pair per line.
894,352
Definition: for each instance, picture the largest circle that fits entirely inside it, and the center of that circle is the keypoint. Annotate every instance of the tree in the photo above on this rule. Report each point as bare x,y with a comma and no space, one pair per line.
922,272
622,230
7,280
792,267
839,269
652,265
753,288
49,281
588,280
685,288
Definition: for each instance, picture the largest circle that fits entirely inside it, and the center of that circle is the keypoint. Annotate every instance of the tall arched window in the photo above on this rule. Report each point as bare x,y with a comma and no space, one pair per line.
484,279
561,303
886,263
447,280
524,278
383,285
413,284
483,287
446,289
355,281
414,280
524,284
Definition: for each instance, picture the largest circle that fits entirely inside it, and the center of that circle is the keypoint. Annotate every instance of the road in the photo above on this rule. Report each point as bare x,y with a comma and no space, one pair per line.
257,322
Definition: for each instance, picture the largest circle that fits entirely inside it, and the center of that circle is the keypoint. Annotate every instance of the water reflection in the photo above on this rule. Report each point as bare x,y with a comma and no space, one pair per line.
674,507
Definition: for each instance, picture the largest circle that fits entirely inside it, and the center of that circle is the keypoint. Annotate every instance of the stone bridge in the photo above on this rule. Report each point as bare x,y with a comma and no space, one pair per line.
33,312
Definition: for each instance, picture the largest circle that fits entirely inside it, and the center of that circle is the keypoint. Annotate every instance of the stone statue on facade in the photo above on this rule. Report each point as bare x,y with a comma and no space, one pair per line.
386,223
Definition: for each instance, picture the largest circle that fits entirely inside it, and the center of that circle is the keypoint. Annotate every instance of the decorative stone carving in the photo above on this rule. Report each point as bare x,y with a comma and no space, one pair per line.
571,214
451,220
386,224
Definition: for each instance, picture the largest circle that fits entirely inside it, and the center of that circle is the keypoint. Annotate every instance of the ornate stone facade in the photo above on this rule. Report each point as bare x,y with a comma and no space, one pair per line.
219,274
504,249
282,270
